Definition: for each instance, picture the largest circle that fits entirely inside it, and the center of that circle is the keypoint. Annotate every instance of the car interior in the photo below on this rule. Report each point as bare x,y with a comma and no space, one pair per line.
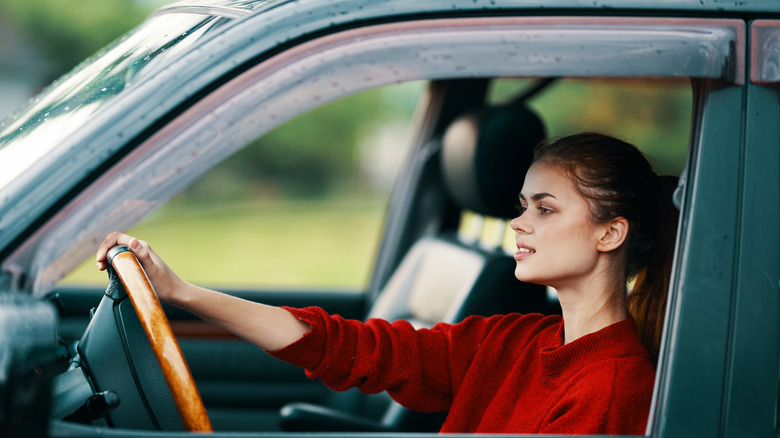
433,266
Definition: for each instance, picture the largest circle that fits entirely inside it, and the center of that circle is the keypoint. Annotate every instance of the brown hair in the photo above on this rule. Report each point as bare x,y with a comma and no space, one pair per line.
619,182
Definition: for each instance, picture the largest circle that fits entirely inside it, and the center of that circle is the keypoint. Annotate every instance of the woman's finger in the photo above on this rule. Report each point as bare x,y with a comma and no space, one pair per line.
113,239
142,251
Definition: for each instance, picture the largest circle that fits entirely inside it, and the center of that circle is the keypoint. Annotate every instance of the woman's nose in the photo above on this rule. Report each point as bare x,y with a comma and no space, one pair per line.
519,224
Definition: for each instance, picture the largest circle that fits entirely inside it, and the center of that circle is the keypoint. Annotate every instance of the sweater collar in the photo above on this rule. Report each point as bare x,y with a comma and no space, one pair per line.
616,340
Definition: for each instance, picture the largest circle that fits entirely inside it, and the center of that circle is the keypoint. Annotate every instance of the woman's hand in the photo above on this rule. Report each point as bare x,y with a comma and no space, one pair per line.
164,280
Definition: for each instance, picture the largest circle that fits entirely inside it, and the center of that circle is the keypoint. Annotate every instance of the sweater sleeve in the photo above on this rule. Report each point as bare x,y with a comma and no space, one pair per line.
411,365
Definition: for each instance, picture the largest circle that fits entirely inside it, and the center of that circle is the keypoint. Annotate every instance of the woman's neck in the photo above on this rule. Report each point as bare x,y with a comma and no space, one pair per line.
589,307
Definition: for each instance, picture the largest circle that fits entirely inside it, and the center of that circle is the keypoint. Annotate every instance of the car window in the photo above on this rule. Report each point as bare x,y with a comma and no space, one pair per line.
302,207
281,88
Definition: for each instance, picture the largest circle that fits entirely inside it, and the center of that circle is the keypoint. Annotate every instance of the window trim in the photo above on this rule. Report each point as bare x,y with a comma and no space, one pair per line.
765,51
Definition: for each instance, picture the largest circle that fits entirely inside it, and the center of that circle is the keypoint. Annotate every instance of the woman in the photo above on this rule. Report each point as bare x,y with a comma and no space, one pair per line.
593,216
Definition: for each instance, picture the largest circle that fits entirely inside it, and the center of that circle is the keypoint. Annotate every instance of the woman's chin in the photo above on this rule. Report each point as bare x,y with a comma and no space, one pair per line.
524,276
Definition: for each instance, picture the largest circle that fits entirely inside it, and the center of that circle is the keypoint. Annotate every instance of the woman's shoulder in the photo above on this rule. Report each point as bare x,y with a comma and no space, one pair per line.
611,396
622,377
628,368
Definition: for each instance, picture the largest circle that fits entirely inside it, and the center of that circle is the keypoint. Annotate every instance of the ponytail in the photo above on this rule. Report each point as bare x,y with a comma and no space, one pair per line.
647,300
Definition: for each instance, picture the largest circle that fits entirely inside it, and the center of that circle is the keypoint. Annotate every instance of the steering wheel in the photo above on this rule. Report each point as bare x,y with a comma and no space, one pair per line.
157,328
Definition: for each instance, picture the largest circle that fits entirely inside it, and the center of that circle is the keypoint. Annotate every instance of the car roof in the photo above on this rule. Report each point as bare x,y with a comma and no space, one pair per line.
232,7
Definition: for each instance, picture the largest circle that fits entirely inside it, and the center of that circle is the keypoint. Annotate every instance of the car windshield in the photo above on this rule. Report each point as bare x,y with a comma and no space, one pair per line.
67,104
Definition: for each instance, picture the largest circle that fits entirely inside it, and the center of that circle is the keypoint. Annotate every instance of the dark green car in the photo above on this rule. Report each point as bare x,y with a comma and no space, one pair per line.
414,204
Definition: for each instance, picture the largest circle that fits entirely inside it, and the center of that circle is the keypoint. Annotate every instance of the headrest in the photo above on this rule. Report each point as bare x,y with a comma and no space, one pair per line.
486,154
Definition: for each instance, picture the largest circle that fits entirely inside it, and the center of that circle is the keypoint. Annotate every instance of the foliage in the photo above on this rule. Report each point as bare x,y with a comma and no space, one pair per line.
313,156
69,31
653,114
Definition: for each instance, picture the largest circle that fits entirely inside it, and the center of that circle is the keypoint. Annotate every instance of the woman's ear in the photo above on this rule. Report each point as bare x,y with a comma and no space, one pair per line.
613,235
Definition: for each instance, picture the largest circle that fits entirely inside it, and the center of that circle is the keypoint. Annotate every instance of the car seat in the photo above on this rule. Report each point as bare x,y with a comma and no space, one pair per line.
445,277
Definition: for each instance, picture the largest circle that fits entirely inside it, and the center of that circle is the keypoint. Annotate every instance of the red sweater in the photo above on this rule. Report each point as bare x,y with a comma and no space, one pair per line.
506,373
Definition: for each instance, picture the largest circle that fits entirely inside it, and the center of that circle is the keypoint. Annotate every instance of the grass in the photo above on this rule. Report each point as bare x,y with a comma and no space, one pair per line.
284,245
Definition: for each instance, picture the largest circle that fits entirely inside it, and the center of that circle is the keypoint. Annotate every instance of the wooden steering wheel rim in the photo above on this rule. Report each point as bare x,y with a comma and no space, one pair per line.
174,367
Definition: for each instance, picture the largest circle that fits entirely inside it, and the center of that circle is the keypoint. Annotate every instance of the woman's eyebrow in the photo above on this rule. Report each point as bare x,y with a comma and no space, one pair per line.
542,195
538,196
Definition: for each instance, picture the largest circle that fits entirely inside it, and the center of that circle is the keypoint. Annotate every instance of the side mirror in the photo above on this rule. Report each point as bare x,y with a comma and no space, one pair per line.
28,348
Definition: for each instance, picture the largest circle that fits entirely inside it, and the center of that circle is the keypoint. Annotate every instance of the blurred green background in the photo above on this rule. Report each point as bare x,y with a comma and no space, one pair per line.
304,205
68,31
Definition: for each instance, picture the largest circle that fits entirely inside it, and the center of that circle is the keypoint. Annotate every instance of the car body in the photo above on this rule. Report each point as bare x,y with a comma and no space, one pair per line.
133,126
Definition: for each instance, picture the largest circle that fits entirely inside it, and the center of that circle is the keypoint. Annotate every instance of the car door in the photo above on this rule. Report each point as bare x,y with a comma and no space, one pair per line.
721,363
754,349
235,376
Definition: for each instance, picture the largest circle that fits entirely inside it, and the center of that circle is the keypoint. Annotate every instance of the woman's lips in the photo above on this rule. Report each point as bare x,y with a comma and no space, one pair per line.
523,252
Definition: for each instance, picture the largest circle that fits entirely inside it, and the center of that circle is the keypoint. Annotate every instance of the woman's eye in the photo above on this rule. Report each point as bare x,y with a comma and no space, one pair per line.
521,209
544,211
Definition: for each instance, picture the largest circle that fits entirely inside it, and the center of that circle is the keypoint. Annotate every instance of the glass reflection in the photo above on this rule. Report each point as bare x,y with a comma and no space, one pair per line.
68,103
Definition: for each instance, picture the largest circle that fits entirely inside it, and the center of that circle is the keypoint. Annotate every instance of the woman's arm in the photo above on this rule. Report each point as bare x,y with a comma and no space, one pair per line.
376,355
271,328
413,366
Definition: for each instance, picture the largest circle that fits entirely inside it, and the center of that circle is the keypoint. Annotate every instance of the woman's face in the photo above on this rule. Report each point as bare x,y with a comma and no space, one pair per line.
555,235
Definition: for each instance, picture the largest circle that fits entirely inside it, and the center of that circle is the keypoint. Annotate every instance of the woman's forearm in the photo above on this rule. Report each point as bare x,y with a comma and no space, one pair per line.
272,328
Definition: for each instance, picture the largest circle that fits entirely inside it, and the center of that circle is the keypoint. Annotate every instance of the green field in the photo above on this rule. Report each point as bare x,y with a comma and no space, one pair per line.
279,244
